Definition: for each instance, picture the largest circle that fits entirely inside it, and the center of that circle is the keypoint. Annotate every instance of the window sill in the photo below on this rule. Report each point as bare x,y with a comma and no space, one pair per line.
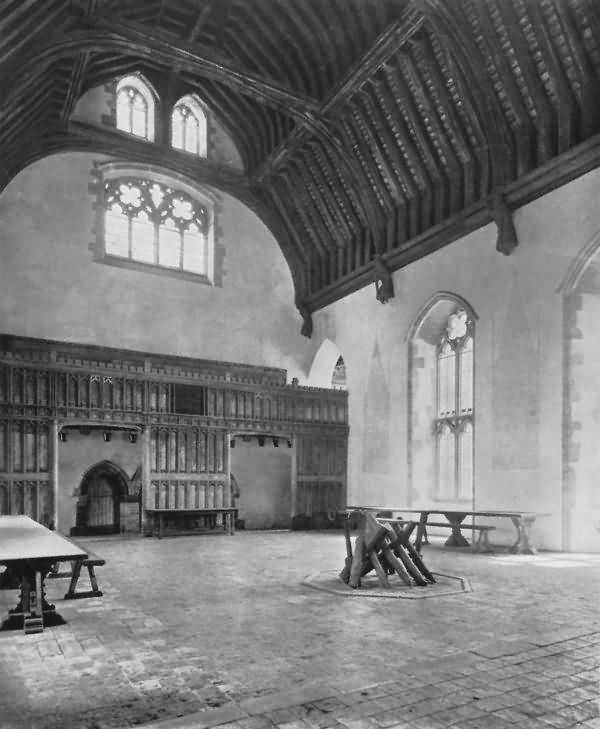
150,268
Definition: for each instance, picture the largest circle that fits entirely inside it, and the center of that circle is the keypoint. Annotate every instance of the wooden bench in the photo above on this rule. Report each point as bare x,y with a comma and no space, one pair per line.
481,545
159,519
91,562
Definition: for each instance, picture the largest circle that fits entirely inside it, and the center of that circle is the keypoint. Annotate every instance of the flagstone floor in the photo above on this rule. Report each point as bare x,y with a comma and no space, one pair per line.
211,630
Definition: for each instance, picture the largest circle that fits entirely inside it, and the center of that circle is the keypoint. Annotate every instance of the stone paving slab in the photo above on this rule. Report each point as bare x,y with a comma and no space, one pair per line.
202,633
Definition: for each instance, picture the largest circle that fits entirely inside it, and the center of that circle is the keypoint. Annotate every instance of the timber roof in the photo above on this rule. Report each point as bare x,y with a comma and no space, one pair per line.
372,131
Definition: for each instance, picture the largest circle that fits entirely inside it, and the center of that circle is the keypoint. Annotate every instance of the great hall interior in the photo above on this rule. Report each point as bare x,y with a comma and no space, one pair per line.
275,258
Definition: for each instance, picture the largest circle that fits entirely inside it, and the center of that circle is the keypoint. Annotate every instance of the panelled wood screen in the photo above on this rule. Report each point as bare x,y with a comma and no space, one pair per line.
186,410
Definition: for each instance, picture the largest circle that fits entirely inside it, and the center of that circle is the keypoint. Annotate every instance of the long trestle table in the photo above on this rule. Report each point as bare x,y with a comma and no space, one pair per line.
522,521
29,550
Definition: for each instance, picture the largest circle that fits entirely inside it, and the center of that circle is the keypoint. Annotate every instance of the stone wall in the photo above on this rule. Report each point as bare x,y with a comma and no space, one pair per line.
52,287
520,349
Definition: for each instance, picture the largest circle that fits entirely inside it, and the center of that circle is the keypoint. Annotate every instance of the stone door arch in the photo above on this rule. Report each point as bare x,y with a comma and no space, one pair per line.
101,491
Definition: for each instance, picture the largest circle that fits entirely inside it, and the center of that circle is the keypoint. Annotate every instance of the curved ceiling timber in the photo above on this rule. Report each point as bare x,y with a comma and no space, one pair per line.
372,132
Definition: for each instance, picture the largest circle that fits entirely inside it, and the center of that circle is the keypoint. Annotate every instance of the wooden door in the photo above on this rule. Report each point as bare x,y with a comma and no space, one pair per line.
103,506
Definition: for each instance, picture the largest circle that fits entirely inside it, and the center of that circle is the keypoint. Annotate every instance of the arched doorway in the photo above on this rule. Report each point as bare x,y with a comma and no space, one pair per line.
102,489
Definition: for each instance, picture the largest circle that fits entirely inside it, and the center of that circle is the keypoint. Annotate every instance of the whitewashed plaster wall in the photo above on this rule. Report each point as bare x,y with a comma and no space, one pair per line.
519,352
52,287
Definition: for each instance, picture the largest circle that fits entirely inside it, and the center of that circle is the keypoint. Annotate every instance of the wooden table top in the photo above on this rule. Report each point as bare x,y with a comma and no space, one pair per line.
22,538
443,510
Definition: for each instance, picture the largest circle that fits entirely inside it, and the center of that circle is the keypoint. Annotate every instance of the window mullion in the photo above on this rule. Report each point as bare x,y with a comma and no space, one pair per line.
156,240
130,236
457,464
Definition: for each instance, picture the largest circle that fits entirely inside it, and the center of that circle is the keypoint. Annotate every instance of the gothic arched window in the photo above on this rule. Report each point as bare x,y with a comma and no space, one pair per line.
453,424
150,222
338,378
135,107
188,126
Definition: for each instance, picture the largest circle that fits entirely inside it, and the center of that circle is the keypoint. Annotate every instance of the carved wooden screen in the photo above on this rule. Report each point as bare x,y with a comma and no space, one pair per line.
24,443
188,468
186,453
321,479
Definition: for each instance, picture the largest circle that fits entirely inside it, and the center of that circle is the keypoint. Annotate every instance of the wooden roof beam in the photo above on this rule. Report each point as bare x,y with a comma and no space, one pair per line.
386,45
136,42
474,79
130,147
80,65
200,22
38,19
206,62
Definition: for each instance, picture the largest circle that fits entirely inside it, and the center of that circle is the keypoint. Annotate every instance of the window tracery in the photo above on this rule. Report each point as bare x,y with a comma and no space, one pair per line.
453,424
135,107
153,223
188,126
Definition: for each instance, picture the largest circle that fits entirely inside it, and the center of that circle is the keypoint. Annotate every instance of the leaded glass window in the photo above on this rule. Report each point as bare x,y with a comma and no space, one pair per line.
153,223
135,107
454,420
188,126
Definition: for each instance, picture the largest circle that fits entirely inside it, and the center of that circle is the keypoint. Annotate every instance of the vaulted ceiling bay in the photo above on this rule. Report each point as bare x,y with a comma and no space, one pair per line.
372,132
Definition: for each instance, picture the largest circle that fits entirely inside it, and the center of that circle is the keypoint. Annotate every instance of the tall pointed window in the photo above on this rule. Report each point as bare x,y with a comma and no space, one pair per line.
150,222
135,107
338,378
188,126
454,412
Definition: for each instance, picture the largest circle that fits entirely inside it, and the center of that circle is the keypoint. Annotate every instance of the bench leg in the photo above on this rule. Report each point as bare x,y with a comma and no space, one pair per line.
523,544
72,594
76,571
93,580
483,543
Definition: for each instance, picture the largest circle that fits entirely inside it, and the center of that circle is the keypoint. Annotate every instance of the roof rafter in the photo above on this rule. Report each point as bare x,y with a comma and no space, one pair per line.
133,41
80,65
386,45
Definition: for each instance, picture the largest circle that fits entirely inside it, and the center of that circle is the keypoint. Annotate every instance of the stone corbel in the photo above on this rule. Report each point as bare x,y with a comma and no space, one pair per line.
507,239
384,286
305,313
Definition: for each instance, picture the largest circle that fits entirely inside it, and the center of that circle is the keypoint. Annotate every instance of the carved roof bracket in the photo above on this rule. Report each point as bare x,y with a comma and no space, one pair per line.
306,314
507,239
384,285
